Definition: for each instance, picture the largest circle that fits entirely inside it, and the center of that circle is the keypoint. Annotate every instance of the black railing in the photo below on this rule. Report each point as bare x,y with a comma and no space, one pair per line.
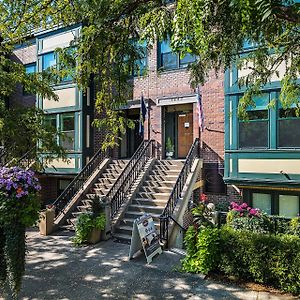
78,182
117,193
177,190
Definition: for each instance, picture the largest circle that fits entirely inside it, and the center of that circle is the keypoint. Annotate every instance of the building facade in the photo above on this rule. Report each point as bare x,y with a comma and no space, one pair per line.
172,114
262,155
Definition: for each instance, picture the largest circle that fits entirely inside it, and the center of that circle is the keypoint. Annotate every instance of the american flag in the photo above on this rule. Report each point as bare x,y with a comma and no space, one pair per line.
200,110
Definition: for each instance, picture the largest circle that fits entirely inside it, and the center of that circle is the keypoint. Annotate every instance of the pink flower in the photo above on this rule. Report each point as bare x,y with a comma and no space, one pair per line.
203,197
244,205
253,211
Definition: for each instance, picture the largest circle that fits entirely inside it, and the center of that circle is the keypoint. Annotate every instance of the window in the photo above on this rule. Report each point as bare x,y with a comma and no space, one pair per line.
288,128
140,65
168,60
29,69
288,206
68,131
273,203
48,61
62,185
254,133
263,202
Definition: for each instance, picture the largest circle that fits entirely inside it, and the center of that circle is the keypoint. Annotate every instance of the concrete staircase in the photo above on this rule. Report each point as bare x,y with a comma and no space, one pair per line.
100,188
151,196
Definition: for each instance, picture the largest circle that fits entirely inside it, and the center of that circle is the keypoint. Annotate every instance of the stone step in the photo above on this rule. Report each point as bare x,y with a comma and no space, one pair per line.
147,195
164,173
152,183
123,229
106,186
161,178
170,168
150,202
129,222
122,237
170,162
107,180
137,214
84,208
146,208
157,189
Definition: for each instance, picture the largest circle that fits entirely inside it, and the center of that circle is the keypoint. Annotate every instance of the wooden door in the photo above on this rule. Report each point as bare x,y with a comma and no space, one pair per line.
185,134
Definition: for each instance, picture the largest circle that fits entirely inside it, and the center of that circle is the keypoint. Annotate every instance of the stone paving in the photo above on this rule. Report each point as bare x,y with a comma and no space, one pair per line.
57,270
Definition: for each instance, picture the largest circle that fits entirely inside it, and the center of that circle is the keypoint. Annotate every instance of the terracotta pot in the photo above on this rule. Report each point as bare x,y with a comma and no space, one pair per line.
46,223
95,236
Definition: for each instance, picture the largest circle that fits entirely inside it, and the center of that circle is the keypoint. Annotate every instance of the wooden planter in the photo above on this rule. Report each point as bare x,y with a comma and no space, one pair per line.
46,223
95,236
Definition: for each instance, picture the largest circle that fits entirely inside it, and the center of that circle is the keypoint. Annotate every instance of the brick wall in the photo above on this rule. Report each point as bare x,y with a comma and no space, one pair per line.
24,55
49,189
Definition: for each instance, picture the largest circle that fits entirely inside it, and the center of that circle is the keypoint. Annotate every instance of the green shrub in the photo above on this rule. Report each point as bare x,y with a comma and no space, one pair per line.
263,258
202,250
295,226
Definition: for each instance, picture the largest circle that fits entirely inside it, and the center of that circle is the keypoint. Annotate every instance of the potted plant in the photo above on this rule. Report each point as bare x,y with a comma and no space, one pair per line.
89,224
169,148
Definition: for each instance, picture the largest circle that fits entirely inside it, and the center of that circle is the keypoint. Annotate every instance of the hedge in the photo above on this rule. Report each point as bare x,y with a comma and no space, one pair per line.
263,258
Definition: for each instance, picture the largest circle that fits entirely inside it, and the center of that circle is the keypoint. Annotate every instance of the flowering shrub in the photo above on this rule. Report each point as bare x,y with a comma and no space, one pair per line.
18,196
19,208
242,216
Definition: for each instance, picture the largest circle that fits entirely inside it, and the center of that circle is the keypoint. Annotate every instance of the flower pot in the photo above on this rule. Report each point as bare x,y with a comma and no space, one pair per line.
46,223
169,154
95,236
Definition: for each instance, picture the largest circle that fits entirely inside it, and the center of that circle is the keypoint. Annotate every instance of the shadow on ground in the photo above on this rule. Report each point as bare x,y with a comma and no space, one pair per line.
57,270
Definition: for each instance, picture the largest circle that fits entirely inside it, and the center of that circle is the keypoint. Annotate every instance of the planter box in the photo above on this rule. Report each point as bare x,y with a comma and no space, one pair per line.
95,236
46,223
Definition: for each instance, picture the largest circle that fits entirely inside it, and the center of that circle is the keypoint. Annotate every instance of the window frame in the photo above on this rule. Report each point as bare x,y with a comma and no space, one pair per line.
26,94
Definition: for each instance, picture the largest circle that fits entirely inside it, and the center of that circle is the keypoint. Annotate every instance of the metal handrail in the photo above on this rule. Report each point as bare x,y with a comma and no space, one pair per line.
78,182
177,190
117,193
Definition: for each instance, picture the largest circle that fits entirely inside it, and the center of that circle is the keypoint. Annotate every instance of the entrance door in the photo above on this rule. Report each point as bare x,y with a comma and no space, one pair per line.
185,133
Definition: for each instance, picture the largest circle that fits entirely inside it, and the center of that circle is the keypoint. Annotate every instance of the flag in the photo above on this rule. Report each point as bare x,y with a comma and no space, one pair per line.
200,110
143,113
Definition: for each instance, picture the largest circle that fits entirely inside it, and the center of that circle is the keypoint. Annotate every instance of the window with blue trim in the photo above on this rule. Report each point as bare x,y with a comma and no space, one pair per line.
48,61
29,69
169,60
288,128
254,132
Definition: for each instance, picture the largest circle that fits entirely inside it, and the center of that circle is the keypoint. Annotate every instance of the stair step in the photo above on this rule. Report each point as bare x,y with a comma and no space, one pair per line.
148,195
83,207
123,229
153,183
146,208
129,222
150,202
164,173
170,168
161,178
105,186
156,189
136,214
122,237
107,180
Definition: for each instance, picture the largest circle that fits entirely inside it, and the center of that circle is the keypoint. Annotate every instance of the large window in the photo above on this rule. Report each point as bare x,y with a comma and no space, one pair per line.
168,60
68,131
276,203
254,132
140,64
288,128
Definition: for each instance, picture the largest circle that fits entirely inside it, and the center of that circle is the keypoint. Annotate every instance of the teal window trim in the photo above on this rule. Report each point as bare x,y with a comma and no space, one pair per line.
268,120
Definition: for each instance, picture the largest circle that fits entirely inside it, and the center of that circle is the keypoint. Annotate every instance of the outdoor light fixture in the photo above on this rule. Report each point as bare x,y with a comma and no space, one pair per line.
286,175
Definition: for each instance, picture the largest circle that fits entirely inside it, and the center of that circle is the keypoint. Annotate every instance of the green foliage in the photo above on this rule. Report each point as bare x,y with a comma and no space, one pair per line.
169,145
222,205
203,215
215,31
295,226
14,253
263,258
202,250
85,223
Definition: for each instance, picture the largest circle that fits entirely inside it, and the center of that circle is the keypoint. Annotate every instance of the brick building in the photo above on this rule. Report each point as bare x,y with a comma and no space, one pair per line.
172,113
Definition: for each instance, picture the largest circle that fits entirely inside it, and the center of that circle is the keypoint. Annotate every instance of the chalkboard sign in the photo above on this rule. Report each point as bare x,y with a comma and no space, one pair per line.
213,178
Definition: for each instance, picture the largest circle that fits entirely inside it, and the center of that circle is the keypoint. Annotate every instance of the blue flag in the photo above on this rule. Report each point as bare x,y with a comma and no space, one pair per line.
143,113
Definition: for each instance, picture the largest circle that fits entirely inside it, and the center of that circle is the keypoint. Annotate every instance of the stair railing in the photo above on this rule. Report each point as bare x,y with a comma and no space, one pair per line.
167,214
78,182
117,194
25,161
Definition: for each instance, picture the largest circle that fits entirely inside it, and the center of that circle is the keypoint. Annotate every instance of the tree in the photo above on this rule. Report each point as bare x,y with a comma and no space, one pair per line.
21,127
216,32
